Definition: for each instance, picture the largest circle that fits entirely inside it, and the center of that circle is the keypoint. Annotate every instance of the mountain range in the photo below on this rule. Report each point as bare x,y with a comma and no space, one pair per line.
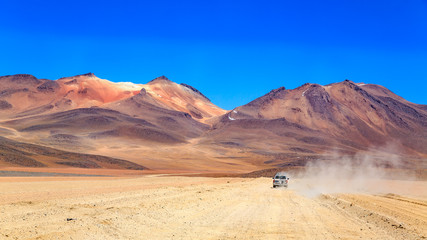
161,125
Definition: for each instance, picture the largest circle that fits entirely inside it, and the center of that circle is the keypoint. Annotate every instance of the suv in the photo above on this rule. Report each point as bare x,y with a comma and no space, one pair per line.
280,180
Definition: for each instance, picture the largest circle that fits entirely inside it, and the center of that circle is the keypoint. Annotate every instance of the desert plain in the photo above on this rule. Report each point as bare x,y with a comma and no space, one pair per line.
168,206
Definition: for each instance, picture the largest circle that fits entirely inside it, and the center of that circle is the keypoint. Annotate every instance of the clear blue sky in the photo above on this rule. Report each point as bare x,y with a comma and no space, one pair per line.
232,51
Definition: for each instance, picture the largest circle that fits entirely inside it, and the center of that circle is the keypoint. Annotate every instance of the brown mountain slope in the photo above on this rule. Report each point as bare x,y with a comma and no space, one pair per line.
98,123
29,96
25,95
13,154
83,112
145,106
182,97
161,124
341,115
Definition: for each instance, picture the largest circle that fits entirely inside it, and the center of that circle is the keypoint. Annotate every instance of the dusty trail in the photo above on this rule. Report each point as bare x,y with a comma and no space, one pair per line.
201,208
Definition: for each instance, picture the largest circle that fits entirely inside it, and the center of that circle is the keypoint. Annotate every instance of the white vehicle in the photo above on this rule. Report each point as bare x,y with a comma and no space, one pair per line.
280,180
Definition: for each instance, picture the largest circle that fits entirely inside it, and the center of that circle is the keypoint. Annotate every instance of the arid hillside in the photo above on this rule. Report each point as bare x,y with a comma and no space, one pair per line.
14,153
168,126
25,95
344,118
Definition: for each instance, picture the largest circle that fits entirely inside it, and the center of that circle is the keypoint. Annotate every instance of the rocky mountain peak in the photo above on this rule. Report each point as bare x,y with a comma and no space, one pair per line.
161,78
267,98
86,75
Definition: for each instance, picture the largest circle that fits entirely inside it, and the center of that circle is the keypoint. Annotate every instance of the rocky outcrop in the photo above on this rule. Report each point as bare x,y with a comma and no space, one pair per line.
4,105
74,81
159,79
21,79
320,101
48,86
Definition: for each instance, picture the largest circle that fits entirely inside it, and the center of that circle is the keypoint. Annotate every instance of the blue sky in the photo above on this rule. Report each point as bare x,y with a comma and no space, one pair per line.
232,51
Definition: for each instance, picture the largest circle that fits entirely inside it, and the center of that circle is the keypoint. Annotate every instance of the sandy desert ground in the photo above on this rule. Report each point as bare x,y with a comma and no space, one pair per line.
178,207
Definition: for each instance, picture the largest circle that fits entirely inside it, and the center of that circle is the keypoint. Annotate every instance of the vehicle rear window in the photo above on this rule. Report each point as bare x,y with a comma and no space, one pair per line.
282,177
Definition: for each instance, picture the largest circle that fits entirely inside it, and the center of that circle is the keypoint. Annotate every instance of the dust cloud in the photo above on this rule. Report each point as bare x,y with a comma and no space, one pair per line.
362,173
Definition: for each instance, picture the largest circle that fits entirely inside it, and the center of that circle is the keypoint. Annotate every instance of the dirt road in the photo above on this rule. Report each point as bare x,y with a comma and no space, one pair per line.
199,208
